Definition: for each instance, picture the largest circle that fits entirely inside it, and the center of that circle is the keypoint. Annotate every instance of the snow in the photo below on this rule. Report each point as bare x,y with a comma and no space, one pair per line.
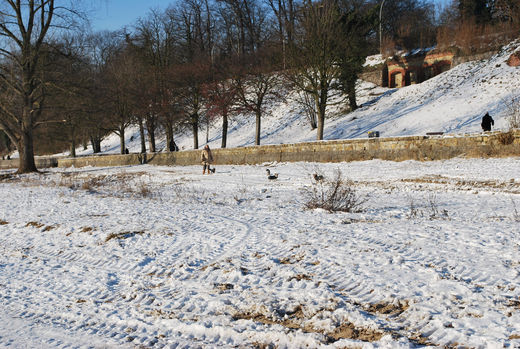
166,257
144,256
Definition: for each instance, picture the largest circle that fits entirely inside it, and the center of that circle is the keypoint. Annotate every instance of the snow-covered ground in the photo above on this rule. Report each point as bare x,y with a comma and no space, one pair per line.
149,256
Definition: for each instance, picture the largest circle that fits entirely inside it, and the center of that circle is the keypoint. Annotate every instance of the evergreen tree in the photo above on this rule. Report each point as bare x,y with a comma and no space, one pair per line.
357,23
476,10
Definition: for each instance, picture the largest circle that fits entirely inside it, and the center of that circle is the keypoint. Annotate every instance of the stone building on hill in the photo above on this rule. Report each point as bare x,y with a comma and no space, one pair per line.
415,67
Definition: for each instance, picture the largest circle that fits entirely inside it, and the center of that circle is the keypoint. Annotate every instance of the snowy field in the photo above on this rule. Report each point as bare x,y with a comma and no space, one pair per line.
147,256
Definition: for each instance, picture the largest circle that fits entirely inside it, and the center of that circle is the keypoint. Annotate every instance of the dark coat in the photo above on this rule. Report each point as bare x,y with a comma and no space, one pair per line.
487,121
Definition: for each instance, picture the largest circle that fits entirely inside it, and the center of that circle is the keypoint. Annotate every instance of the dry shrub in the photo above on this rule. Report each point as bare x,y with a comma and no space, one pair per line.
516,213
513,111
506,138
430,208
470,37
388,46
335,195
69,180
143,190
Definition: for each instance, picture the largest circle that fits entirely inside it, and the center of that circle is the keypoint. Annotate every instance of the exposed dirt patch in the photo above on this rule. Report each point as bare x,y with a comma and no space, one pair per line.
514,336
2,222
295,320
123,235
86,229
162,314
300,277
349,331
395,308
291,259
514,303
34,224
419,339
223,287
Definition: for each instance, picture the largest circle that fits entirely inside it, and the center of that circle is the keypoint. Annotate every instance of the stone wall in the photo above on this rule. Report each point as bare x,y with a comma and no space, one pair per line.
470,58
422,148
373,76
41,162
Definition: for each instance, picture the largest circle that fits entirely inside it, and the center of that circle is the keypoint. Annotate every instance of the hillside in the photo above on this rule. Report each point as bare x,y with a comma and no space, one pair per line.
452,102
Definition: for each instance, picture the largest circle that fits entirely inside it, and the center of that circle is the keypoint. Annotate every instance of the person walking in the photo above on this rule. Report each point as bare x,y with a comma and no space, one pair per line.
207,159
487,121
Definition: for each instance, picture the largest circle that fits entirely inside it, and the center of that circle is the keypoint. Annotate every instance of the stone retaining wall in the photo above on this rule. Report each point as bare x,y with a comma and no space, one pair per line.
41,162
421,148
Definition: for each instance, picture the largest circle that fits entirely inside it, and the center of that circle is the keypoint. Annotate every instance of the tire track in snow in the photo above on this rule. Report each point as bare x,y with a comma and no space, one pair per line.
236,236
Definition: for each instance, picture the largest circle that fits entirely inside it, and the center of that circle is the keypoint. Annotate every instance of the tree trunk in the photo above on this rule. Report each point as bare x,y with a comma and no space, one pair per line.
72,141
169,135
351,91
224,129
321,105
73,147
258,126
96,144
141,134
195,128
150,127
207,130
26,151
122,140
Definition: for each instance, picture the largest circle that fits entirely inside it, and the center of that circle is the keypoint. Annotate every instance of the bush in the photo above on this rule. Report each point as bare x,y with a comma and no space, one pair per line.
335,195
506,138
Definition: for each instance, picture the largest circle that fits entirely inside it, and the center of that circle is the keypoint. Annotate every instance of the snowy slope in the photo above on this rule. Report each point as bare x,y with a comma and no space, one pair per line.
452,102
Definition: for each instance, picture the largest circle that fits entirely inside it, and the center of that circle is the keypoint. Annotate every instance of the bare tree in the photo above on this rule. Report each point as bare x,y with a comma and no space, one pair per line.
194,22
24,27
220,96
314,55
120,86
257,84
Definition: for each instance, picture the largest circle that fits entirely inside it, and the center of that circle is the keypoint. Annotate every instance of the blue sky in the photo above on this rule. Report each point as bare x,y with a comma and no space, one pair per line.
115,14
